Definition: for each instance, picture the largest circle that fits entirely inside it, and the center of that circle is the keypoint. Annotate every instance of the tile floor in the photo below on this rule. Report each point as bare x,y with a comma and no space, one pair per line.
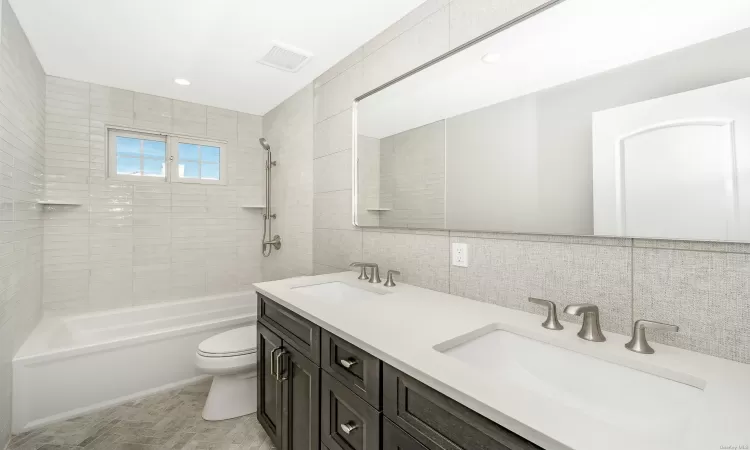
171,420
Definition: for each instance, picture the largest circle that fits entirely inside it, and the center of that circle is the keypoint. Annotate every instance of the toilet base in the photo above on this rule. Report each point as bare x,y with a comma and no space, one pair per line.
231,396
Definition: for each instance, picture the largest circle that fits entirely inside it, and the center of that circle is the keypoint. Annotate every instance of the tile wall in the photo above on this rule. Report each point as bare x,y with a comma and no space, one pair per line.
288,129
412,177
702,287
135,243
21,184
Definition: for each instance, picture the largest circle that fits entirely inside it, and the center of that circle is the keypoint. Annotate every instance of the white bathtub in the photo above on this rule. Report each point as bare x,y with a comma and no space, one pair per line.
77,364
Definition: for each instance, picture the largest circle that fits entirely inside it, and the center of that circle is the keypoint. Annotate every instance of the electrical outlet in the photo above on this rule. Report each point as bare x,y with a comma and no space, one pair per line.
460,254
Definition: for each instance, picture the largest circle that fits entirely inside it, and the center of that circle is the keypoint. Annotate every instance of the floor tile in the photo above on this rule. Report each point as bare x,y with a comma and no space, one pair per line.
166,421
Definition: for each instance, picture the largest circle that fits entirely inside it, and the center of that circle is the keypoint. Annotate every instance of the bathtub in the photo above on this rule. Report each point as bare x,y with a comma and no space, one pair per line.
74,365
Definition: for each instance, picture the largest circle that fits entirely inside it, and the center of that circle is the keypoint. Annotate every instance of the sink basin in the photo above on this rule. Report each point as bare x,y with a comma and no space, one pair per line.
610,392
337,291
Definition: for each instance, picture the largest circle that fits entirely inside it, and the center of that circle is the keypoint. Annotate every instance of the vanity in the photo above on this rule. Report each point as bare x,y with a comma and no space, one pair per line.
345,364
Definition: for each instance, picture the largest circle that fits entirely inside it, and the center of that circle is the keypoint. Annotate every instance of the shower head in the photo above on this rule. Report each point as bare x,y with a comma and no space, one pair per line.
264,144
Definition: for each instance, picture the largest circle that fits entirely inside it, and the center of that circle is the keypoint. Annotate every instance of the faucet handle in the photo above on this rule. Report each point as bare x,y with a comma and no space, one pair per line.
581,308
591,330
363,270
389,278
551,323
638,342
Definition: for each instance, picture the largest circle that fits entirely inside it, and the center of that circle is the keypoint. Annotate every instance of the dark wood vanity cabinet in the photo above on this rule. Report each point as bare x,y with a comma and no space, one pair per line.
316,391
288,390
394,438
269,388
352,367
439,422
347,421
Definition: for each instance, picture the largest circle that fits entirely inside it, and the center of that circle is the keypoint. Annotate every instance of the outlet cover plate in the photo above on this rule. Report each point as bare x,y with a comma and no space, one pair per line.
460,254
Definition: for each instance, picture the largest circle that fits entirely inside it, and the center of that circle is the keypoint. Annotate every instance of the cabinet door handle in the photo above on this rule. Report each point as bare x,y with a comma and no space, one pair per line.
281,375
348,427
349,362
274,369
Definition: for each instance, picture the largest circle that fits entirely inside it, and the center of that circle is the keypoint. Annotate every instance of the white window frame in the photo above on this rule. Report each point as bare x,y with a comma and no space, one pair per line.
171,156
174,143
112,155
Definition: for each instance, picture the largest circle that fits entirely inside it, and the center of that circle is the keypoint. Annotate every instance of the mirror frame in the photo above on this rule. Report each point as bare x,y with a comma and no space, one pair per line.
355,156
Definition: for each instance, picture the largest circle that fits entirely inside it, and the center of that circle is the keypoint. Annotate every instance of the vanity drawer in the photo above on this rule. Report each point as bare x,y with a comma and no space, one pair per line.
293,328
352,366
441,423
347,422
394,438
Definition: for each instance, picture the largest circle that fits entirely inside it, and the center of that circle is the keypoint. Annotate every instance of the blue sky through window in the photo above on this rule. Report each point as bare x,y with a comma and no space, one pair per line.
140,157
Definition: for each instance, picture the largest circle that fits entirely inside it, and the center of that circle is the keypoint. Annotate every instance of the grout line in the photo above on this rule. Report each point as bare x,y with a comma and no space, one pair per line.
334,153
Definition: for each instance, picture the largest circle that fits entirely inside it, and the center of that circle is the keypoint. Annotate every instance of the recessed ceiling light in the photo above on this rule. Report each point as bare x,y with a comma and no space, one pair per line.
182,81
492,58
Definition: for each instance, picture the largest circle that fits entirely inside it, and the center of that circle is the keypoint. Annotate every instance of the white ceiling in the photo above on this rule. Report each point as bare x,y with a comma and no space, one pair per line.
142,45
570,41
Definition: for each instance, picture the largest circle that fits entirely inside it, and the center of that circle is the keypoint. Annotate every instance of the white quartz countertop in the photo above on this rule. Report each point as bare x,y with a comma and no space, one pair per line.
403,327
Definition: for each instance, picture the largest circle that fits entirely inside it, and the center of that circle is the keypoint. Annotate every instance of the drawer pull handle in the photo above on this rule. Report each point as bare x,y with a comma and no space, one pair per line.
349,362
348,427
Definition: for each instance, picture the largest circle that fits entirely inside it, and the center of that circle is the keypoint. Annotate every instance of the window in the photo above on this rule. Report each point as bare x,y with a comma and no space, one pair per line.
198,161
138,155
155,157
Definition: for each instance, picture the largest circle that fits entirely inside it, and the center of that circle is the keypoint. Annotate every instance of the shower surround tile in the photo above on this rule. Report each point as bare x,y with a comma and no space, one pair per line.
145,242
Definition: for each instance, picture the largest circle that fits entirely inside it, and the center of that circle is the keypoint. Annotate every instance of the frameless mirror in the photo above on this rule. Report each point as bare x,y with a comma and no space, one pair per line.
612,118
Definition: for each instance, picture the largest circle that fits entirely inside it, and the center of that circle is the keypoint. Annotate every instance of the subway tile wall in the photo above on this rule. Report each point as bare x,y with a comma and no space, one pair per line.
700,286
289,131
22,86
136,243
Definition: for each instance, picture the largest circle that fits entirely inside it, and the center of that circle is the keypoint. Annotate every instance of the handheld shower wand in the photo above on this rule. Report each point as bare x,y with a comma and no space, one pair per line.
267,216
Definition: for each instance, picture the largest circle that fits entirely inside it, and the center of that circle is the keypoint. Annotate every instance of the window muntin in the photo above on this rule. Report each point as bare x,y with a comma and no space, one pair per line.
137,156
177,159
198,162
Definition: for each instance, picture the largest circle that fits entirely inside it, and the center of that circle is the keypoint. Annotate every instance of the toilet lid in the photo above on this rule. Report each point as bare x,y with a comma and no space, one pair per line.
240,341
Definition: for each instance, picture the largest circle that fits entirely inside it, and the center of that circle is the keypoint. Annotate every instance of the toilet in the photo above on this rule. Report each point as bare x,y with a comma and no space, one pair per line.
230,358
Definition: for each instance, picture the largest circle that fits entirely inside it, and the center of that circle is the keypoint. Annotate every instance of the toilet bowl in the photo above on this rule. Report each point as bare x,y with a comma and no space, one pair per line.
230,358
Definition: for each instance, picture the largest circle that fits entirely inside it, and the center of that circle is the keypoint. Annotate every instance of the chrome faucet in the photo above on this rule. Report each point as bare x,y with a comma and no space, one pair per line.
590,331
374,273
638,342
362,271
389,278
551,323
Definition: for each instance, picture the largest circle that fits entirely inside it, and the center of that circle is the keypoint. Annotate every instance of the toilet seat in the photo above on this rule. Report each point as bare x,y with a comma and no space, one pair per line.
237,342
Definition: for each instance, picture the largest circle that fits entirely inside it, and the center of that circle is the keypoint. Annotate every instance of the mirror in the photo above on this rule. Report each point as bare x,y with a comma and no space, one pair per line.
610,118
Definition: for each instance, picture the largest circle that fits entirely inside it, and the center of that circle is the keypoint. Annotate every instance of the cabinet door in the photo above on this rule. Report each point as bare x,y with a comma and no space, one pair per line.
347,421
441,423
270,407
301,400
394,438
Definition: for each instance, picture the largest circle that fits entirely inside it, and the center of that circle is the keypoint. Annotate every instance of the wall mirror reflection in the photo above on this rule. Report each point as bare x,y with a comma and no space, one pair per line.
573,121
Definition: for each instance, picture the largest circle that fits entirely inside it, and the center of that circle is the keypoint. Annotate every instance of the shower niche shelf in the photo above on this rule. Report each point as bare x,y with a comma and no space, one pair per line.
253,206
59,202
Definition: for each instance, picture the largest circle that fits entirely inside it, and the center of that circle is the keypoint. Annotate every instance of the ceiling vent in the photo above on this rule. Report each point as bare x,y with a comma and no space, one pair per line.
285,57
